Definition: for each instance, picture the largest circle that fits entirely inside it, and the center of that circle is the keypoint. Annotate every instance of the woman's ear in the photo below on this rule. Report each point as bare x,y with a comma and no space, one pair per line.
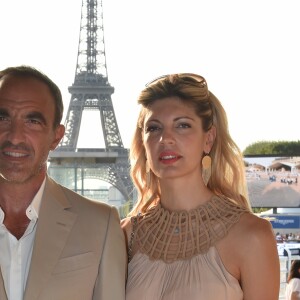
210,139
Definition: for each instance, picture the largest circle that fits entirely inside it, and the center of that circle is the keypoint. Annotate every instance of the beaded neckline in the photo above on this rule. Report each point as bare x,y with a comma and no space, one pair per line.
178,235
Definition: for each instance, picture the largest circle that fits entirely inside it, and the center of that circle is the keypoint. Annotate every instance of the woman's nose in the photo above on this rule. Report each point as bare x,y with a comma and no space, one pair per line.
167,137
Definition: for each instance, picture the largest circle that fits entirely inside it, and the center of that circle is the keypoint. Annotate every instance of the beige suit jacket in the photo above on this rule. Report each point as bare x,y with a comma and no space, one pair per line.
79,251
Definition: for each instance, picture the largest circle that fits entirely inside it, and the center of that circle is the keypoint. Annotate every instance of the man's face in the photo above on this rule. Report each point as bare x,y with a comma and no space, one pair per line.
26,129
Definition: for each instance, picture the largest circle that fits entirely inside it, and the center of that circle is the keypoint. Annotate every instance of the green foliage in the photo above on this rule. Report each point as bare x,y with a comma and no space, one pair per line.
290,148
258,210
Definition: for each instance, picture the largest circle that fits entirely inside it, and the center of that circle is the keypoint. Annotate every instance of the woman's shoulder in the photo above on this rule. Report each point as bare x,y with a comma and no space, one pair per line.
252,229
127,228
252,236
126,225
125,222
251,246
255,225
295,280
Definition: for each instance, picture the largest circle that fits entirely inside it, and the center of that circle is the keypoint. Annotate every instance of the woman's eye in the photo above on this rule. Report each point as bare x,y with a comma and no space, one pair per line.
184,125
151,128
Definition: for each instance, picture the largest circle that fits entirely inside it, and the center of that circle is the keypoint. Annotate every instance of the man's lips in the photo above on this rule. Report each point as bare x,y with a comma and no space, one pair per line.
14,154
14,151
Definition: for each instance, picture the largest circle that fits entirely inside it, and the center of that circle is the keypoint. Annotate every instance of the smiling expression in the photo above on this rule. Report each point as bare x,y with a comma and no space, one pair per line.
26,128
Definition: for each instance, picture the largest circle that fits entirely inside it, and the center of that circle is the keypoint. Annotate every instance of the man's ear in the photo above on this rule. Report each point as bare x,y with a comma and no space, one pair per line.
59,133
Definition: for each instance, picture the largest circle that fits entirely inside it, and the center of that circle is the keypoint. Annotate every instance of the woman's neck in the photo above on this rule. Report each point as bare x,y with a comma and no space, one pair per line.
177,194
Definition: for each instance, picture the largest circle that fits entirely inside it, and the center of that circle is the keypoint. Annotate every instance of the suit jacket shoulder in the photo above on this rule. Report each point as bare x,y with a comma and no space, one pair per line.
79,250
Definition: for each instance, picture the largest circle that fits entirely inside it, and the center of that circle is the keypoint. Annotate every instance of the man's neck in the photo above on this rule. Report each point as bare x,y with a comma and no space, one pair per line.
16,197
14,201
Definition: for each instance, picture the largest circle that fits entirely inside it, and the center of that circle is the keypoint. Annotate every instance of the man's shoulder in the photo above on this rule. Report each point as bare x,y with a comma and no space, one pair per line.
76,198
82,203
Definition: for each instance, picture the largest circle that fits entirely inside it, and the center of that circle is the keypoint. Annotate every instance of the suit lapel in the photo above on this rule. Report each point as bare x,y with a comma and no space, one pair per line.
53,227
3,295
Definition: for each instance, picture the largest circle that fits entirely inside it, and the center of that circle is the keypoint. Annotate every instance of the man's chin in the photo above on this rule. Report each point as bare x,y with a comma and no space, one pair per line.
20,178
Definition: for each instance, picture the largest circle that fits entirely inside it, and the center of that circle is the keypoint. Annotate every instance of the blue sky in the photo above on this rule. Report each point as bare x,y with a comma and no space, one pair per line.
247,50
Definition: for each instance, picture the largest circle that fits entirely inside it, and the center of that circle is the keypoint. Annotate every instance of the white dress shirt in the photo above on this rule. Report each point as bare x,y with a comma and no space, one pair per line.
16,254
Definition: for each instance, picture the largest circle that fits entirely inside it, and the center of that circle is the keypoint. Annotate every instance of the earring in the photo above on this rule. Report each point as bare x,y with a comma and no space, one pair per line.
206,168
148,175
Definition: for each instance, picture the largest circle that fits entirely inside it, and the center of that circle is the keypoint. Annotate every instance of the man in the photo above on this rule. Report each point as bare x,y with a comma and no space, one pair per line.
54,244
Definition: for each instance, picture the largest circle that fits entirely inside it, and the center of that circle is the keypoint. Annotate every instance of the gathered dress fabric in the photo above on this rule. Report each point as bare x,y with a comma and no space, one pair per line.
175,255
292,287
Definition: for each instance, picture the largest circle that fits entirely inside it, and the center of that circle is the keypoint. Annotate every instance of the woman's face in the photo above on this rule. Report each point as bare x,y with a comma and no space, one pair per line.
174,139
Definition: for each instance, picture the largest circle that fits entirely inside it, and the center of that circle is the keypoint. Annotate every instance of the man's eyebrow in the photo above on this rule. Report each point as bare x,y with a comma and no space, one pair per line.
37,115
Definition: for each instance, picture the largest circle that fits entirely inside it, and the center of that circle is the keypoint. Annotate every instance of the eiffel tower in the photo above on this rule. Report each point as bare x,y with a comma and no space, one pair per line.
91,90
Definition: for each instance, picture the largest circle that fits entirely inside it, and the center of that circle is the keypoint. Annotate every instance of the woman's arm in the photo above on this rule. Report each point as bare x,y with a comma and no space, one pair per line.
259,264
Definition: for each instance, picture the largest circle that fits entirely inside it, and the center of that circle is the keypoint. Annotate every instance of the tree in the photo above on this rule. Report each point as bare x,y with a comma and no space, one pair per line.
271,148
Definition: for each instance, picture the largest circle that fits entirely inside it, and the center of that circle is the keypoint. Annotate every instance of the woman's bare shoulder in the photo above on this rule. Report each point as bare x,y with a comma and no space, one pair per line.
252,233
257,257
254,226
126,224
249,253
249,231
127,228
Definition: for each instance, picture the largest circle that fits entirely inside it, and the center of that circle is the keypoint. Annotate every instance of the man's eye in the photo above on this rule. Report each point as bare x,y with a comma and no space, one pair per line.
34,121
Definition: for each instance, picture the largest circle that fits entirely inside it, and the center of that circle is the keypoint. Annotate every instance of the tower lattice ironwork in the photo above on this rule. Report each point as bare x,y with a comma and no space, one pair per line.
91,90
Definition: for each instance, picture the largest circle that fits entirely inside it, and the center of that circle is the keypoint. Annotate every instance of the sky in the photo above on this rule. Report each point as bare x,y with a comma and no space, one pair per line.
248,51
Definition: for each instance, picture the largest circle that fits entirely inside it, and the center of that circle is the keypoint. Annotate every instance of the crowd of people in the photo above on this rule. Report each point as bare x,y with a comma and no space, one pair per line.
191,235
287,237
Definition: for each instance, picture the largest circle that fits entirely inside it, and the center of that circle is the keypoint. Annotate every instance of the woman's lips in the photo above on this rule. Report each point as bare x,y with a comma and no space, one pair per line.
169,157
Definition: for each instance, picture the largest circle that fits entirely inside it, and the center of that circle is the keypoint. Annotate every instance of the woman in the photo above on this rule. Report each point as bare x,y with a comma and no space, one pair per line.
292,291
191,234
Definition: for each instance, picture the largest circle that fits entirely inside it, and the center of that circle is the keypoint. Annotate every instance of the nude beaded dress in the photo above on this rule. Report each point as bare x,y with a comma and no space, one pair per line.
175,256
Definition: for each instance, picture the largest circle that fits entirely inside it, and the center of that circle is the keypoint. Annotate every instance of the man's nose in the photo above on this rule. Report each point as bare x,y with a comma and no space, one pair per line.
15,132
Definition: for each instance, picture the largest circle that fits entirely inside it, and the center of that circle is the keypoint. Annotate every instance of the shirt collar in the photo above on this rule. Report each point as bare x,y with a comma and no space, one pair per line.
33,209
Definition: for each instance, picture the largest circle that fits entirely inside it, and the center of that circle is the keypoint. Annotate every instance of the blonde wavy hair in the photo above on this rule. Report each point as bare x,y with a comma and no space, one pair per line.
228,170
